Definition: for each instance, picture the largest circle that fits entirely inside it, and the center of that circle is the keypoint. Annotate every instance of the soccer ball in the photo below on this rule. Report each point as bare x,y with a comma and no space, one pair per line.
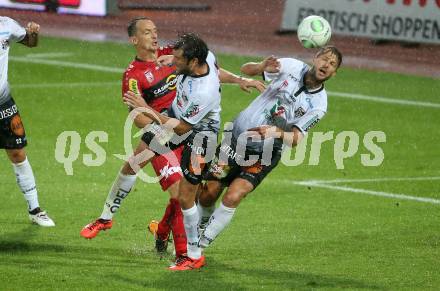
314,31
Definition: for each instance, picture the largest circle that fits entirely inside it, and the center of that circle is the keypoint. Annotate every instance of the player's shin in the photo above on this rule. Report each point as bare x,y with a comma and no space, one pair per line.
221,217
119,191
26,182
190,220
204,215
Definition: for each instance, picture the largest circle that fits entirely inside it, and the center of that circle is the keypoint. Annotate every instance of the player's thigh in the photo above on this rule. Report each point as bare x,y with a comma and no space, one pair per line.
167,168
209,192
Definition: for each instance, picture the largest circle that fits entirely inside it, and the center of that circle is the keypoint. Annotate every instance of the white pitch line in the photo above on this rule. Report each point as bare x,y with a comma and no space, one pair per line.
64,85
370,192
372,180
49,55
384,99
119,70
68,65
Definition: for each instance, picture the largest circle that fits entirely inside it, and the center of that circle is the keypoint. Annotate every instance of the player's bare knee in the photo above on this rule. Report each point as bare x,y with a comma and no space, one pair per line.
127,169
16,156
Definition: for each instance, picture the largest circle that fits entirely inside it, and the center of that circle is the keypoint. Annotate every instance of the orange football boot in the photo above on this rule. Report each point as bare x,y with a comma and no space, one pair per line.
92,229
185,263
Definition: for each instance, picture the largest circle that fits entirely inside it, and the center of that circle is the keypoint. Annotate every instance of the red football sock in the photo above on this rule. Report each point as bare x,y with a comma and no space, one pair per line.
179,235
164,227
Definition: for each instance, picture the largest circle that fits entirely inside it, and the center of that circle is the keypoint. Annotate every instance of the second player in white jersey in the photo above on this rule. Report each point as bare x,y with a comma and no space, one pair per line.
284,104
198,98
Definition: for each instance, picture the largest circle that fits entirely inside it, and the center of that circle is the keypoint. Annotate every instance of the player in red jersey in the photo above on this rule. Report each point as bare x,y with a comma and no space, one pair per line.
157,86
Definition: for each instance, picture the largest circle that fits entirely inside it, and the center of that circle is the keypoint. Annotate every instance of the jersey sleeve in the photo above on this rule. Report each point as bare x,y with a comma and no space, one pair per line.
17,32
309,120
198,109
286,65
130,82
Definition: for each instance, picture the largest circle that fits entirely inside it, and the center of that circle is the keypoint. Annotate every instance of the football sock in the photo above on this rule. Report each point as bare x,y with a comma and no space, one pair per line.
120,189
26,183
164,227
190,220
221,217
205,213
179,235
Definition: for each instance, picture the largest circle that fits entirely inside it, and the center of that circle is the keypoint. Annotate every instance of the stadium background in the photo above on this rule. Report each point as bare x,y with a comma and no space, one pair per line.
245,27
331,235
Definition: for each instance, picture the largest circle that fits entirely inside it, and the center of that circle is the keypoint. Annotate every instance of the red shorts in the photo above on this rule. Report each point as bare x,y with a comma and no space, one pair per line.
168,167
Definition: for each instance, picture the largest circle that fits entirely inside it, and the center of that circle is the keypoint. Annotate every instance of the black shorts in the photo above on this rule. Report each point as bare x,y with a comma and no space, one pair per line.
228,165
199,150
12,134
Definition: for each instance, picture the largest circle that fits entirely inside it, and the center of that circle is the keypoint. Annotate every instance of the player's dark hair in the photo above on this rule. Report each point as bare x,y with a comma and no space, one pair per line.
193,47
131,28
333,50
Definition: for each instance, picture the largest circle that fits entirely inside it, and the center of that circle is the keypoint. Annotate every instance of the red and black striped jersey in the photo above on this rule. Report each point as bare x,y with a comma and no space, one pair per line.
156,84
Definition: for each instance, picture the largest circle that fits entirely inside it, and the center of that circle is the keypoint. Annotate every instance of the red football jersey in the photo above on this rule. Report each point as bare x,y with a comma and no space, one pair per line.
156,84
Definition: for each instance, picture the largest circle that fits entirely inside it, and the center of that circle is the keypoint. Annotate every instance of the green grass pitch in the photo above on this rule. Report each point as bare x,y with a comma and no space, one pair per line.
283,236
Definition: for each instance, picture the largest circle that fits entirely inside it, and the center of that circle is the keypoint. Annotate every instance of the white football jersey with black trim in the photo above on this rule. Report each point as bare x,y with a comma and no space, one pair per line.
10,31
198,98
285,103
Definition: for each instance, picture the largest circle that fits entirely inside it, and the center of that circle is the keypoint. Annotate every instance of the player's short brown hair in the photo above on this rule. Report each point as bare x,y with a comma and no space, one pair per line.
131,28
333,50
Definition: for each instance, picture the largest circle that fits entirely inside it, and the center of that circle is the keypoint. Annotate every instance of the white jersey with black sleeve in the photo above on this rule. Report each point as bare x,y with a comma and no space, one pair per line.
286,103
198,98
10,31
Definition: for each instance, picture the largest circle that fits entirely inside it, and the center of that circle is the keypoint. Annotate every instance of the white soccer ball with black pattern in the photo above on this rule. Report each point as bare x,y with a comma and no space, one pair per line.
314,31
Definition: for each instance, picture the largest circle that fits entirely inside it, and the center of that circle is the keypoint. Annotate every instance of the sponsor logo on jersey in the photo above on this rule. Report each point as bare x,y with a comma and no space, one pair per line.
292,77
182,100
299,112
167,171
5,44
133,86
277,110
8,112
170,84
192,110
312,122
149,75
283,85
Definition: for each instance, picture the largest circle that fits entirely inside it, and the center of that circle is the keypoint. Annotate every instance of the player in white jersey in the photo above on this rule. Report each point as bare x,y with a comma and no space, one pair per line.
195,119
12,134
293,103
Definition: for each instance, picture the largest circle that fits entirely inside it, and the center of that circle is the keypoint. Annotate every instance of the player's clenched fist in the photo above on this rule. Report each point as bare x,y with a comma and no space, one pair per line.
33,28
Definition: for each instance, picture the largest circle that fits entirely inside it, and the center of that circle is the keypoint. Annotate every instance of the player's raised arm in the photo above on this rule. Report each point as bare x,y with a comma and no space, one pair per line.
31,37
245,83
135,101
269,64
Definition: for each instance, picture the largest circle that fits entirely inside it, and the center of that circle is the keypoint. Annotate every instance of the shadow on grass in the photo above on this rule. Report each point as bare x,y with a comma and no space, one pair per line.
220,276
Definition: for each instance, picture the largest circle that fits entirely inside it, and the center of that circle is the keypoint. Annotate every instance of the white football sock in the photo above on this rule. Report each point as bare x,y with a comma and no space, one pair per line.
204,213
190,220
221,217
26,182
120,189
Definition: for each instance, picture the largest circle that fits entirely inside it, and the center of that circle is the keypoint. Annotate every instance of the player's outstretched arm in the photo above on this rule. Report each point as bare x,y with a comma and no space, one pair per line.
290,138
136,102
245,83
31,38
269,64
